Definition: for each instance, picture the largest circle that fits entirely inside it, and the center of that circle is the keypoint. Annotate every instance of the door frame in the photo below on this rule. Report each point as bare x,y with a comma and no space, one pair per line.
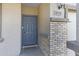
36,29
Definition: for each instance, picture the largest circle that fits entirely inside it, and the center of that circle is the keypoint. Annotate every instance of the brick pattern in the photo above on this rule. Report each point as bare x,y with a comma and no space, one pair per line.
58,37
44,45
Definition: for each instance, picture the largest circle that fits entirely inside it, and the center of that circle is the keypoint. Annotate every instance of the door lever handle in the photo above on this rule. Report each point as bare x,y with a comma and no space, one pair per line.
1,40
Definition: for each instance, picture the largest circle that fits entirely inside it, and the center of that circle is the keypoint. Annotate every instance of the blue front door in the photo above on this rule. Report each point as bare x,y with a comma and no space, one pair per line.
29,30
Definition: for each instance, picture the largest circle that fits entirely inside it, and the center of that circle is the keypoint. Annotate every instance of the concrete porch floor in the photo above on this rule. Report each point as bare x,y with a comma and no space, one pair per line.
32,51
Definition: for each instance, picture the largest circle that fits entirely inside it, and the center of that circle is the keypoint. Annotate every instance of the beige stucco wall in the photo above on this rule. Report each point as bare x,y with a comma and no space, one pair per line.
44,17
43,25
26,10
11,29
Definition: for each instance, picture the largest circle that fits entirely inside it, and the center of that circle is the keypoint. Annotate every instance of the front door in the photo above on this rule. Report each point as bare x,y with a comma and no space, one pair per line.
29,30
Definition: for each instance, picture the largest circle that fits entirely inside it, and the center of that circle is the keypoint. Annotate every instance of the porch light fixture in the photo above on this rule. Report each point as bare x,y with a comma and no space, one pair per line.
61,6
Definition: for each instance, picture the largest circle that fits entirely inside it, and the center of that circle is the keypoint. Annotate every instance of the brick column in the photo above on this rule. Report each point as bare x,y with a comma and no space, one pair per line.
58,37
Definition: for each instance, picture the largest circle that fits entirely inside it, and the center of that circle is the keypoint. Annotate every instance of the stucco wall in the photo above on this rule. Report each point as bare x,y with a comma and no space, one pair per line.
11,29
26,10
43,24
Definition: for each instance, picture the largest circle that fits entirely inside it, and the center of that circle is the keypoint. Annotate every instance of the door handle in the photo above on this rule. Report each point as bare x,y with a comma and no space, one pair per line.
1,40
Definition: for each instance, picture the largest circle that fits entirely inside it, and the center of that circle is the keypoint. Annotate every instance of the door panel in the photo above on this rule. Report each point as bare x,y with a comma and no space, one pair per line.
29,30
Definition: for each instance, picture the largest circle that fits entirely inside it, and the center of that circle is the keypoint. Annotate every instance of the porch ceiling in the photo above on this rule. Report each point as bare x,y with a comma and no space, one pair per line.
32,4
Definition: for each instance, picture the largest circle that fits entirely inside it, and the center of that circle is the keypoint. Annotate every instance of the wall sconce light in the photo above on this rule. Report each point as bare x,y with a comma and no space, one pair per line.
60,5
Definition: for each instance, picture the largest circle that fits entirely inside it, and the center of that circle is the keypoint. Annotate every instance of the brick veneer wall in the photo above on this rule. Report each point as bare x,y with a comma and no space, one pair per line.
44,45
58,37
